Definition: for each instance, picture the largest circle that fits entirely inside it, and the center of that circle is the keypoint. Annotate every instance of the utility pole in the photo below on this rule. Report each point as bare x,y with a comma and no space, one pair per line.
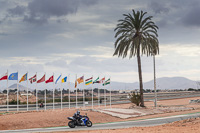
155,93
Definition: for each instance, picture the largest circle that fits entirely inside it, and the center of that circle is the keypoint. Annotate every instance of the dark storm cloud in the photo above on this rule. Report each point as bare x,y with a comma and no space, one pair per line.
40,11
191,17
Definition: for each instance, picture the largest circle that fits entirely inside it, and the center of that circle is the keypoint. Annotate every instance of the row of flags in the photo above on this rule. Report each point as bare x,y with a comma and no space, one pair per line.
90,81
14,76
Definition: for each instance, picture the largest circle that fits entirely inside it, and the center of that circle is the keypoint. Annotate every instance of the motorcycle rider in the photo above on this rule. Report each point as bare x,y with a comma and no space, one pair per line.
78,117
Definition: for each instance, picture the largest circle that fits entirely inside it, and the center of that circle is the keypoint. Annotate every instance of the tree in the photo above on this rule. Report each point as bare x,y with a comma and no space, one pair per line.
4,91
135,98
136,35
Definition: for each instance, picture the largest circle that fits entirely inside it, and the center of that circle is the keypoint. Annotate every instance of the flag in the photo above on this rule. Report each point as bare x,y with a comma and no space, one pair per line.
13,76
41,80
33,79
50,79
4,76
106,82
102,80
96,81
24,78
80,80
57,79
75,83
88,81
64,79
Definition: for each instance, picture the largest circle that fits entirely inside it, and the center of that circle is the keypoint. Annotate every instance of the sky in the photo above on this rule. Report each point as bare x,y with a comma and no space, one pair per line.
77,37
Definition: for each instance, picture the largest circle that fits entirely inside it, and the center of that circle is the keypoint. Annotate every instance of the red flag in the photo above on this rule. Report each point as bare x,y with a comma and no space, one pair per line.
41,80
4,76
49,80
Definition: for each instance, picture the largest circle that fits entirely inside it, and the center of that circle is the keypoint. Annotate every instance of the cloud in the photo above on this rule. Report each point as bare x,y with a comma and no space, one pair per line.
18,10
95,65
158,7
57,63
192,17
40,11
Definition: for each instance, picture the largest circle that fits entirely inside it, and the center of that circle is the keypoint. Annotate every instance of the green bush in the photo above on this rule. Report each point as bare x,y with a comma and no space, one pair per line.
13,102
135,98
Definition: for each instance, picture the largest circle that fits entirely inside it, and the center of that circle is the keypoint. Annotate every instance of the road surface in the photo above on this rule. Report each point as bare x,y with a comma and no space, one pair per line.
114,125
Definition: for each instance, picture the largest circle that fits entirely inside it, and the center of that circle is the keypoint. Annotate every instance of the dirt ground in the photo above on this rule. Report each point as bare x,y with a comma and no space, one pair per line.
185,126
55,118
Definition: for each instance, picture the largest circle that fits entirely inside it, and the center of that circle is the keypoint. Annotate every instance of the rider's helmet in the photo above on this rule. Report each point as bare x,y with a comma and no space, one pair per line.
78,112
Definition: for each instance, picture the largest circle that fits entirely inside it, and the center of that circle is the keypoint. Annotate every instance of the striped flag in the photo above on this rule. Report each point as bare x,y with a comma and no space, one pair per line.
106,82
88,81
4,76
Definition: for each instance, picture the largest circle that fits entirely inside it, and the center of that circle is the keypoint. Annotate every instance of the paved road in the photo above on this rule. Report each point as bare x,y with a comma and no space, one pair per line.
114,125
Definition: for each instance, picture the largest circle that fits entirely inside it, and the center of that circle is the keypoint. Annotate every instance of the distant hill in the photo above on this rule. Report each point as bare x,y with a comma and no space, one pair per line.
172,83
21,87
162,83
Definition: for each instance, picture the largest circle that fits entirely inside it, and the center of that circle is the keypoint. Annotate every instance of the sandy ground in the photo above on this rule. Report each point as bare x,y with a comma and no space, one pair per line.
54,118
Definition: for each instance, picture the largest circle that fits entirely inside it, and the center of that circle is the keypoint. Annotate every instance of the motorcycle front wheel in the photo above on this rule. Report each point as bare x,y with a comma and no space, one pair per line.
89,124
71,124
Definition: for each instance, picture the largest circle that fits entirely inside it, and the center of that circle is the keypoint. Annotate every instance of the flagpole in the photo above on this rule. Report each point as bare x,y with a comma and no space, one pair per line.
83,92
98,97
45,93
17,94
53,91
104,93
76,91
61,91
36,95
7,93
69,90
92,92
27,89
110,93
45,100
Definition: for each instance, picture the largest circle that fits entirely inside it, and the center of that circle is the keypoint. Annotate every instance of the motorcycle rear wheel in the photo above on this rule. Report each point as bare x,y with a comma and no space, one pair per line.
71,124
89,124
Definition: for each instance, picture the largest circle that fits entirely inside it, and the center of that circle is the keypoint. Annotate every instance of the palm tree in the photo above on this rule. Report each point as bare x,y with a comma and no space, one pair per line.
136,35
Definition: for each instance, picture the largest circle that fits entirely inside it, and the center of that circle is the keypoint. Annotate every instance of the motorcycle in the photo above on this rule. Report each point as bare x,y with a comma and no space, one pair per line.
83,121
41,105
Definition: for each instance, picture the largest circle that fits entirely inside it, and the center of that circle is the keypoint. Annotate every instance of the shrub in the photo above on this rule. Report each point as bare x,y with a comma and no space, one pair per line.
13,102
135,98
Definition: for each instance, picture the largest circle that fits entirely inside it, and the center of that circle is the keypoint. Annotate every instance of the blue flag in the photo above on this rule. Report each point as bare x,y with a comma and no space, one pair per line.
57,79
13,76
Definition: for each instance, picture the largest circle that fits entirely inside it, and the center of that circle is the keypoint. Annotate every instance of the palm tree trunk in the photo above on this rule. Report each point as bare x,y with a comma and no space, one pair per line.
140,78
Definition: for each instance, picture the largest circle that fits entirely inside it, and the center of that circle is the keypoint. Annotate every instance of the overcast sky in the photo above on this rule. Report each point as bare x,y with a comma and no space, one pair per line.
77,37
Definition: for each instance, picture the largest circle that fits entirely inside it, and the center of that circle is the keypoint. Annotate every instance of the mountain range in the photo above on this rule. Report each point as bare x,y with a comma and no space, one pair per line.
161,83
